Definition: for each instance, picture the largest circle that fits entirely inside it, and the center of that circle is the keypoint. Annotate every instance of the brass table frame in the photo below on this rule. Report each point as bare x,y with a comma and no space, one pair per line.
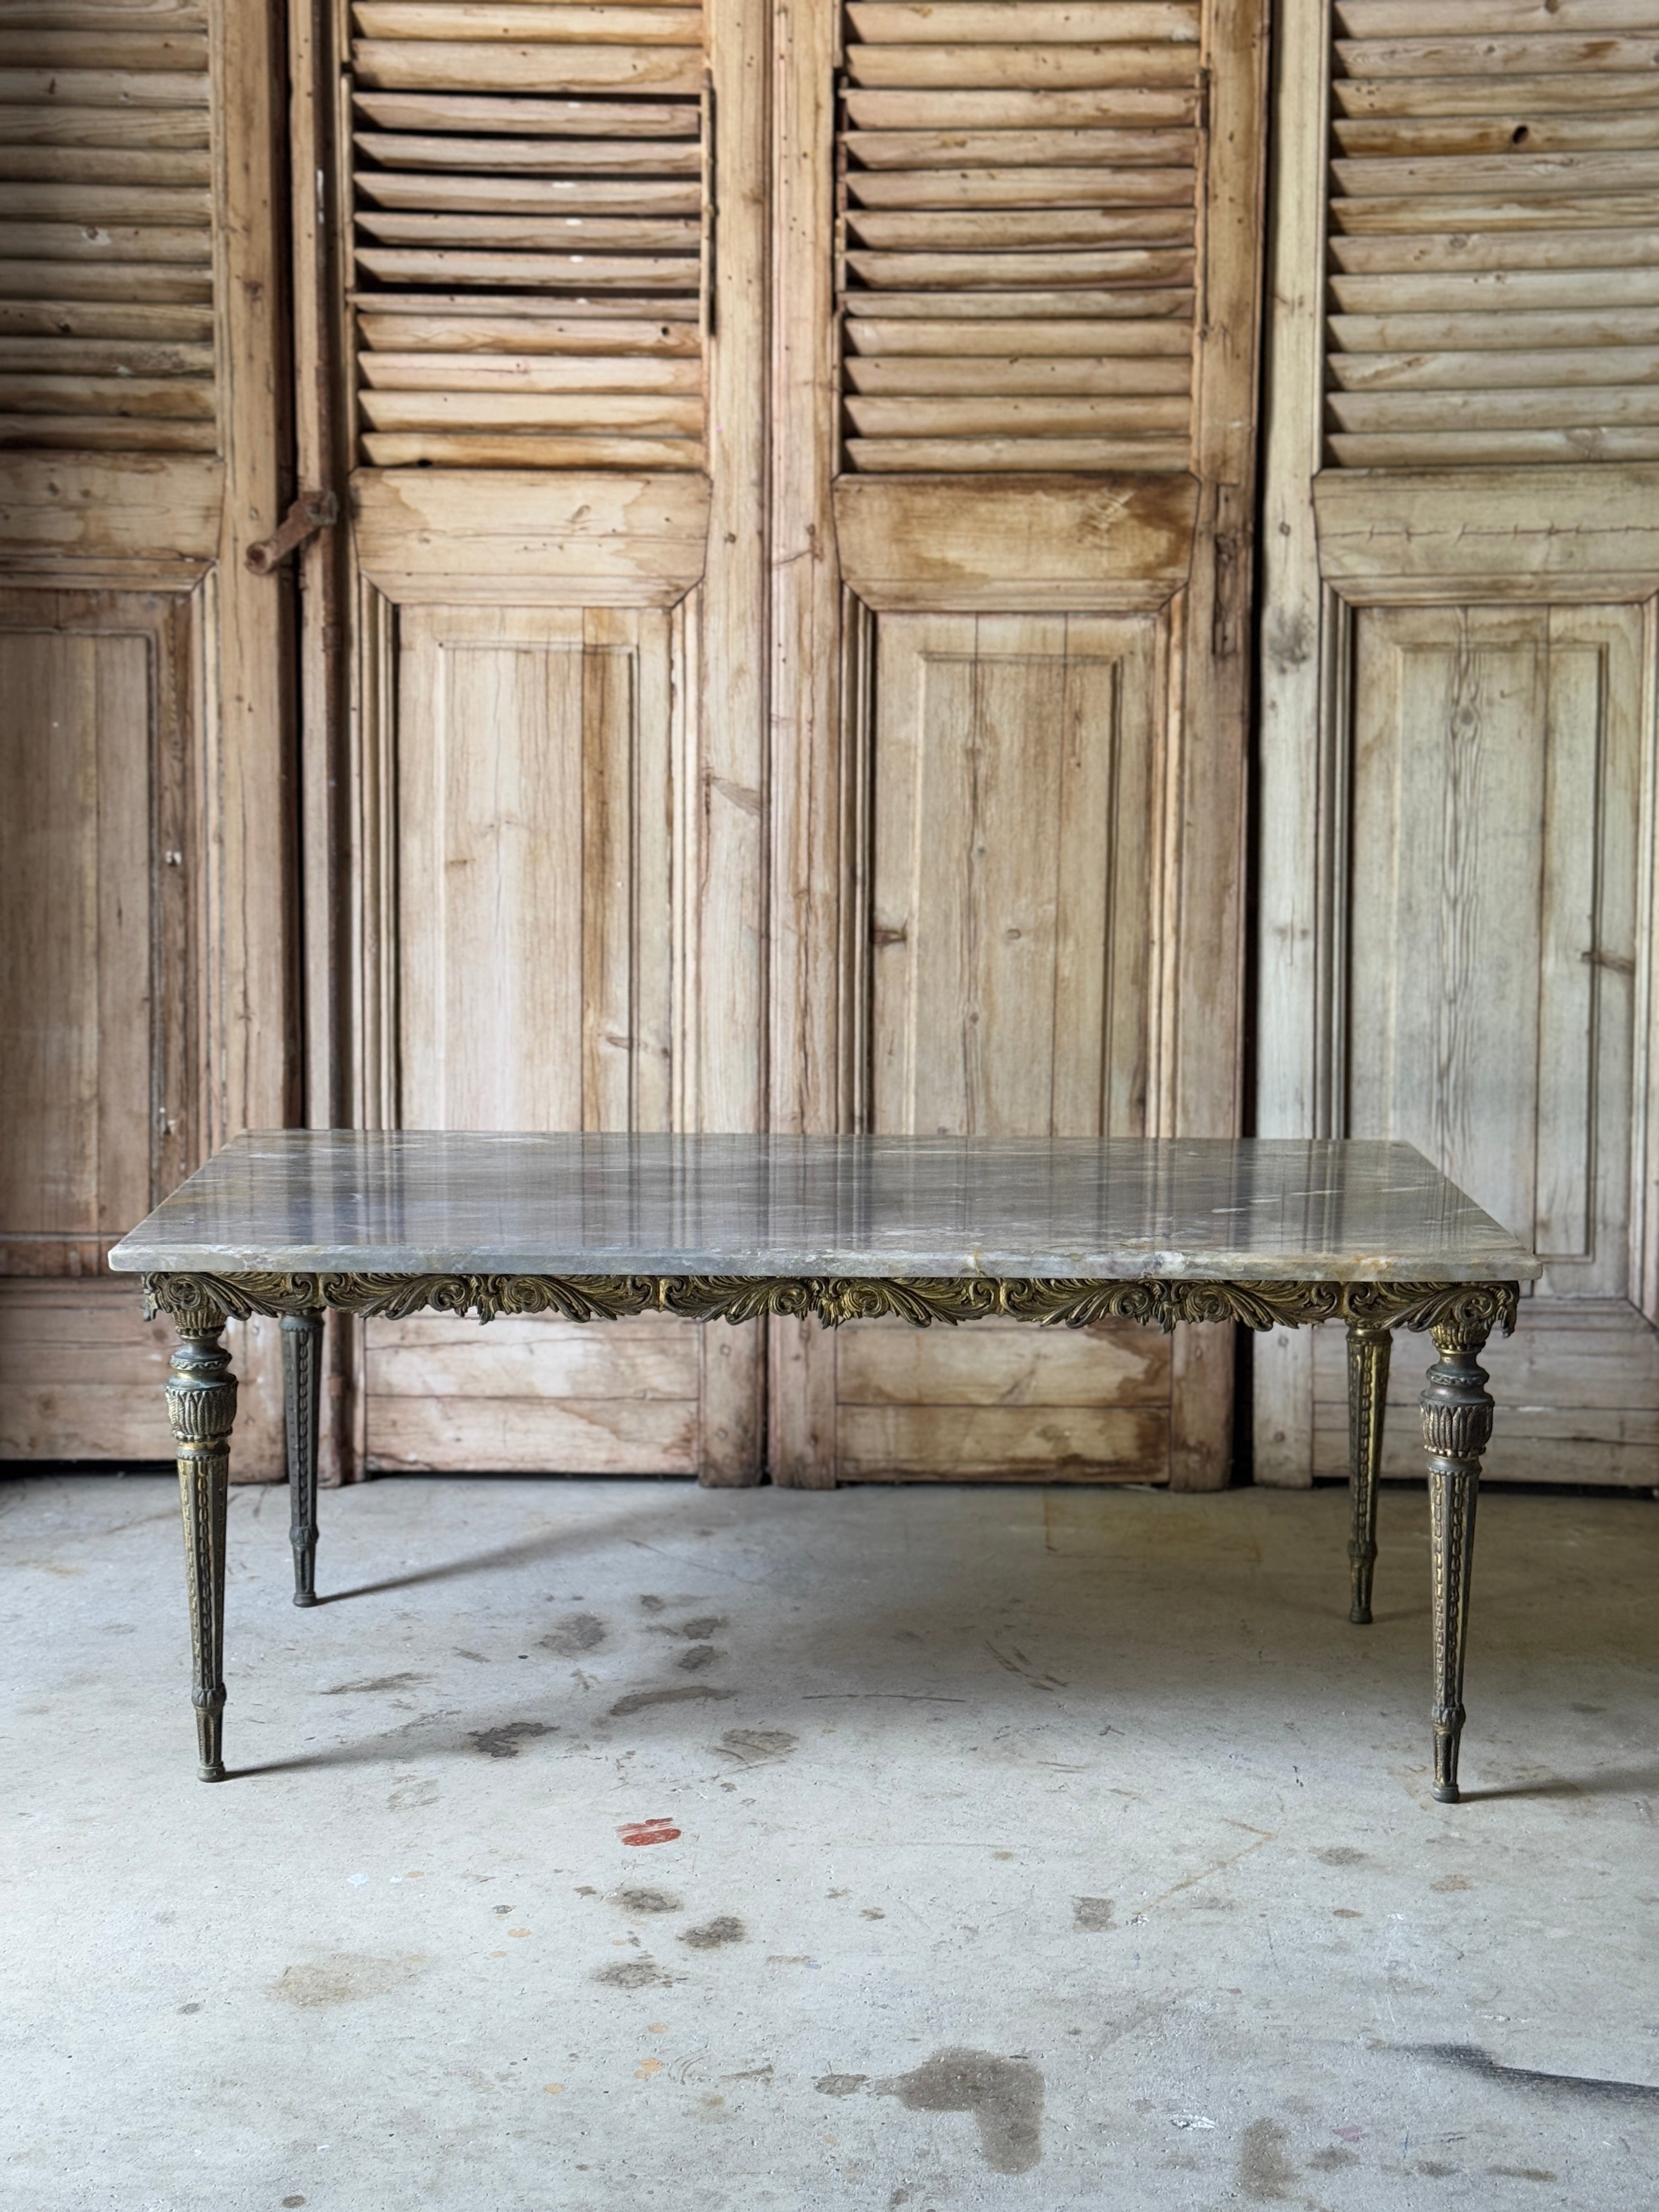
1456,1406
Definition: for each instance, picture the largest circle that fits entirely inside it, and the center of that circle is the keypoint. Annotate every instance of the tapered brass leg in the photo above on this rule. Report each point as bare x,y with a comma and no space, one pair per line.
202,1405
1457,1413
1367,1391
302,1346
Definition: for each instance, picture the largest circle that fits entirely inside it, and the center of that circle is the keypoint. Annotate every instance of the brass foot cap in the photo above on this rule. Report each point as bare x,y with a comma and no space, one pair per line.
1360,1616
305,1597
1445,1793
214,1773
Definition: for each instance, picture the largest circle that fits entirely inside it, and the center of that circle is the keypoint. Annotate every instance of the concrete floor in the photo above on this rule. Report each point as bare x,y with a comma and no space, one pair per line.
611,1844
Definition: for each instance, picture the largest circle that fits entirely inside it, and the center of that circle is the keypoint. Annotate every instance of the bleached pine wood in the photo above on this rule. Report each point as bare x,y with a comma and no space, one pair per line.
961,23
1413,611
1604,366
1035,307
1069,374
1031,187
522,158
1163,346
590,21
416,65
554,119
1395,19
519,196
1504,131
538,372
419,331
539,573
1568,92
1018,68
1117,105
1103,146
1494,55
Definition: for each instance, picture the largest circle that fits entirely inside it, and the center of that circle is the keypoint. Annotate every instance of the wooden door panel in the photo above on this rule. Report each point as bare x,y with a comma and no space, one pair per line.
85,737
535,929
1014,838
1494,904
1011,519
526,1394
534,914
554,391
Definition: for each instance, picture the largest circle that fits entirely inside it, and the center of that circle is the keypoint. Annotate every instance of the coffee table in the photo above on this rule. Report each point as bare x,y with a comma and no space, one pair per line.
1059,1232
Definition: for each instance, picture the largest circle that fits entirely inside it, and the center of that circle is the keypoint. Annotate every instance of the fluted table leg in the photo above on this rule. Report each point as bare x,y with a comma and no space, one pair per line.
1367,1391
1457,1416
302,1346
201,1393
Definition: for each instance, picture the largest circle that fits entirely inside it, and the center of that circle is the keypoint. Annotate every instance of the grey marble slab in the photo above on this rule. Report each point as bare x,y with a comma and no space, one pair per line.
420,1202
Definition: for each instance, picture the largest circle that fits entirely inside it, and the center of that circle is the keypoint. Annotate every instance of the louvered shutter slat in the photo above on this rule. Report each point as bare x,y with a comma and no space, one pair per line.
1494,235
529,246
106,213
1016,235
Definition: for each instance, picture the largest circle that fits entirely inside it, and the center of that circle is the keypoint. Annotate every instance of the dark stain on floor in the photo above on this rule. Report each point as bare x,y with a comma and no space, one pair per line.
700,1631
840,2085
375,1682
503,1743
576,1633
1004,2096
1470,2059
1092,1916
1264,2173
634,1974
713,1935
649,1900
754,1747
637,1700
699,1656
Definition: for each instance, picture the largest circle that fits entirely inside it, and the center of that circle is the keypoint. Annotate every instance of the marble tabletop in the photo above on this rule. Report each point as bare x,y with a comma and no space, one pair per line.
485,1202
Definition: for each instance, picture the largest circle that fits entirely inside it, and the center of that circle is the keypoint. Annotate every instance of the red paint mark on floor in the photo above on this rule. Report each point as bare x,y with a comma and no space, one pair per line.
648,1831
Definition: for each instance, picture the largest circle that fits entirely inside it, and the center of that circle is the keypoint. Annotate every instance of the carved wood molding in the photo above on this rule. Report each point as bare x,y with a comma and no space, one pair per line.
1155,1303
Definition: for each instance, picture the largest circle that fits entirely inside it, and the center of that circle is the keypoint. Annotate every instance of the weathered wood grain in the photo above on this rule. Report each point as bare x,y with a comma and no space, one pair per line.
630,539
598,22
436,65
877,149
524,158
1070,374
458,373
1008,108
1037,455
570,273
519,196
1082,545
1021,22
949,1443
509,117
1019,67
651,415
490,450
460,337
1163,346
1031,187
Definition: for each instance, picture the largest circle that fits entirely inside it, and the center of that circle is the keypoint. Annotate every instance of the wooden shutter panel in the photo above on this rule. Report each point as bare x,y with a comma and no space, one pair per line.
1014,354
144,867
530,235
558,571
1015,235
106,279
1461,568
1494,233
